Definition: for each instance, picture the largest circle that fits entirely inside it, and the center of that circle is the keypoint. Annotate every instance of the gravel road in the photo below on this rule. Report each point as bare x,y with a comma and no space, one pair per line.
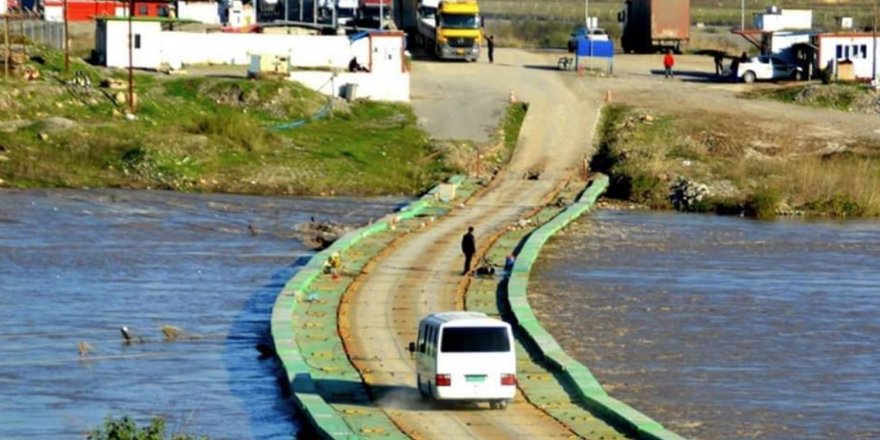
421,273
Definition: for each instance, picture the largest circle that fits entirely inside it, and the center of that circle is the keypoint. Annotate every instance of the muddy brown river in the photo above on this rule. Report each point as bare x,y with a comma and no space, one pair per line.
723,328
75,266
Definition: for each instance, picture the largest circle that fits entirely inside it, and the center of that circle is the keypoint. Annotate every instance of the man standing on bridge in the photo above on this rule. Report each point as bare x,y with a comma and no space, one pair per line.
469,247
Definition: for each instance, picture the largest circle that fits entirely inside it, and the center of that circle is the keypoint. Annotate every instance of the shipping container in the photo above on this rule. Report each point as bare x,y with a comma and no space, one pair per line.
652,25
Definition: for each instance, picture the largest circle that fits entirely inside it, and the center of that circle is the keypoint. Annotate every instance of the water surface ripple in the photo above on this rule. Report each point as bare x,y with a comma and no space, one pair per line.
723,328
75,266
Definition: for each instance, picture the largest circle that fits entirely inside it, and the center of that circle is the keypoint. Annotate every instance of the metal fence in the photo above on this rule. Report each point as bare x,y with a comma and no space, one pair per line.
35,29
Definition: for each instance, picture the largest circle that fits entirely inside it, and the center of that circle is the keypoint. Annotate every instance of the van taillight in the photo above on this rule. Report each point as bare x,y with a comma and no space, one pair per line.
508,379
443,380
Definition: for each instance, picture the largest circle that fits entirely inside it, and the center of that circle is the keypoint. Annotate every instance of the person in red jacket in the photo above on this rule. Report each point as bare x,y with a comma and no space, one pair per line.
668,62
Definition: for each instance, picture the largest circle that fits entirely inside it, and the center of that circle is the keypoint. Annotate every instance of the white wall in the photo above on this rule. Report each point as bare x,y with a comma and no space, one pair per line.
386,54
116,44
373,86
181,48
850,46
54,13
3,6
785,19
201,11
782,42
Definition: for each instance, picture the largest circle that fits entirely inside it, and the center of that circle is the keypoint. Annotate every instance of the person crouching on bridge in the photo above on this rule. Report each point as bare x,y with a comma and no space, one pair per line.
469,247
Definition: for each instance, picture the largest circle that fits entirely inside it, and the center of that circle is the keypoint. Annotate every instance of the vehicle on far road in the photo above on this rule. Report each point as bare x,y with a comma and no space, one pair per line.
767,68
595,34
465,356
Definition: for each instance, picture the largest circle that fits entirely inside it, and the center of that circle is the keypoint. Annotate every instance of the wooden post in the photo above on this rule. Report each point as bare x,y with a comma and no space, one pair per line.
66,43
130,59
6,40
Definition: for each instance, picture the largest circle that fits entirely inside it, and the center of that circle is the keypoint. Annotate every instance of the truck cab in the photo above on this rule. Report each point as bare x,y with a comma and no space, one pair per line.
458,32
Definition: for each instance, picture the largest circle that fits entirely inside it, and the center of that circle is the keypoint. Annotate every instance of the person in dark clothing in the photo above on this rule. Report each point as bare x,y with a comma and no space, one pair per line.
469,247
490,47
719,63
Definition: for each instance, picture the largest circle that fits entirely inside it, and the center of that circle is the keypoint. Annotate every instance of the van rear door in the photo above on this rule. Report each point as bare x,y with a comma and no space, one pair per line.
476,363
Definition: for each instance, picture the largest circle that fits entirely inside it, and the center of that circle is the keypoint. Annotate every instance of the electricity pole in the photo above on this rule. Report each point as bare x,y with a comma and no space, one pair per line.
6,40
66,43
130,59
586,14
874,38
742,15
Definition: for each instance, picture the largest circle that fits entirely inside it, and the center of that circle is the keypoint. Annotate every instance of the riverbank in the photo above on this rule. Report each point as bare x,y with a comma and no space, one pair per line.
213,134
704,163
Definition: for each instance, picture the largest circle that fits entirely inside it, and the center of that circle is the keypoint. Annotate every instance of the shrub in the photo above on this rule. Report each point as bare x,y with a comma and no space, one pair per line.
125,428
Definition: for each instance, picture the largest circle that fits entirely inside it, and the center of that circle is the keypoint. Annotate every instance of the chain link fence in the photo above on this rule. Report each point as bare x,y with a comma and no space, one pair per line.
34,29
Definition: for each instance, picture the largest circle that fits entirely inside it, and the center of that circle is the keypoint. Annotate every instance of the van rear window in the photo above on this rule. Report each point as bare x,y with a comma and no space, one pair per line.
474,340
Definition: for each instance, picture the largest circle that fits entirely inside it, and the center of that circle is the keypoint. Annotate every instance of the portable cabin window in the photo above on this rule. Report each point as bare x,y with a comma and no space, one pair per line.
137,41
839,52
143,10
863,49
475,340
162,11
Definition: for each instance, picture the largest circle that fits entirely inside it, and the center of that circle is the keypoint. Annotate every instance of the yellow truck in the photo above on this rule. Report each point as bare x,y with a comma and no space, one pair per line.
450,29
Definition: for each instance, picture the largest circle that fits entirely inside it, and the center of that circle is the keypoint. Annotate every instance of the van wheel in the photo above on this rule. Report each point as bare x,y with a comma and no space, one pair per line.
749,77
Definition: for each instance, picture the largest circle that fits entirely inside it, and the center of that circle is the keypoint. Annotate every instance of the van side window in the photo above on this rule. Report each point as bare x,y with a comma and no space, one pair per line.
434,336
421,340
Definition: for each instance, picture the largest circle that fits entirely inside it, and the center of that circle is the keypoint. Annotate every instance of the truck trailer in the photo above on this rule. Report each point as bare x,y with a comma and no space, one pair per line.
651,25
447,29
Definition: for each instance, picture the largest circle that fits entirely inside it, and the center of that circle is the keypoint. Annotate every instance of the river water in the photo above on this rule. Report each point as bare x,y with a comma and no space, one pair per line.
75,266
720,327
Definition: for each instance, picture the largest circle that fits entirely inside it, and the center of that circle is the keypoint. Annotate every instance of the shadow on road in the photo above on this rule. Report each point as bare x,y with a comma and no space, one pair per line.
336,391
693,76
541,67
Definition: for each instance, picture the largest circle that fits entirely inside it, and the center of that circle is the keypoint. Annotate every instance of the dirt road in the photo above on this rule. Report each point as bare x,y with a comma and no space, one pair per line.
421,274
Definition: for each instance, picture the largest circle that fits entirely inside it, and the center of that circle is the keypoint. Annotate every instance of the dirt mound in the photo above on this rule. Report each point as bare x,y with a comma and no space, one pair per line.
842,97
279,99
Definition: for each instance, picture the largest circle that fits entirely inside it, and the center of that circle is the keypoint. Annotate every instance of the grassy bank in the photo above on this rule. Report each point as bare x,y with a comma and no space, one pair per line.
839,96
206,134
676,163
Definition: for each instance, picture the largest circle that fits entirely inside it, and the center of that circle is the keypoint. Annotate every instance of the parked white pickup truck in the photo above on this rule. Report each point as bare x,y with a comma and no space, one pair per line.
766,67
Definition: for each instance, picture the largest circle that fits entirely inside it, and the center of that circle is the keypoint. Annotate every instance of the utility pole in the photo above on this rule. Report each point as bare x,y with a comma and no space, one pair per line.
66,43
586,14
6,41
130,58
300,11
742,15
381,12
874,38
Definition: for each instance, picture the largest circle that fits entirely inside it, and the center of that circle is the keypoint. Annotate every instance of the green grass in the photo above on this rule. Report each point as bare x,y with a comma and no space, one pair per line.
209,134
512,124
837,96
646,155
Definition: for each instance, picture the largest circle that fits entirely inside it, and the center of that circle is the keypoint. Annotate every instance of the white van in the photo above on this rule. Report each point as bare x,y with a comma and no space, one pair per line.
465,356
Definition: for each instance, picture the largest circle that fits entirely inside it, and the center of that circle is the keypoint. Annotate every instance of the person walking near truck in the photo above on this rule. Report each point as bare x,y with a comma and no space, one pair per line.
469,248
490,48
668,62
